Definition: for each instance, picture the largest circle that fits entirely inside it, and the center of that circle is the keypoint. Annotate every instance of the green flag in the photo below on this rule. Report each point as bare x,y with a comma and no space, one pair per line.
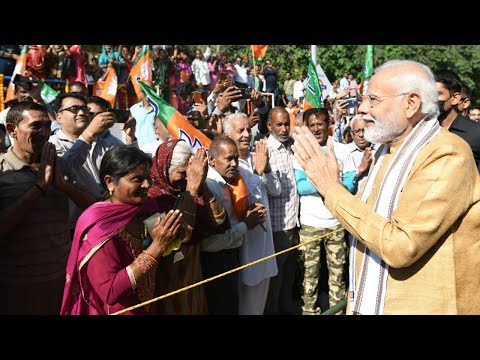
368,69
48,94
313,92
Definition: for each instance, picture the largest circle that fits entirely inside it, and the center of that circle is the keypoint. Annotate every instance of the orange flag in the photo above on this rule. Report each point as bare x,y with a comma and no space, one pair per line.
259,50
106,86
19,69
142,69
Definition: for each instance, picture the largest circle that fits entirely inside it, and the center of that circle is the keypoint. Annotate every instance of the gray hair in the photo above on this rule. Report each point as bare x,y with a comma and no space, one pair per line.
410,81
226,120
181,154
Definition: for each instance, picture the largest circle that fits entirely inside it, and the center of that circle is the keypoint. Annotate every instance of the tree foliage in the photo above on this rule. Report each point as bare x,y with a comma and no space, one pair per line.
336,59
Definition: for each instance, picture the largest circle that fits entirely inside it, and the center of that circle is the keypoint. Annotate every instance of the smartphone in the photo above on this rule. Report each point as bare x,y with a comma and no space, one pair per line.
197,97
223,77
23,81
122,115
246,93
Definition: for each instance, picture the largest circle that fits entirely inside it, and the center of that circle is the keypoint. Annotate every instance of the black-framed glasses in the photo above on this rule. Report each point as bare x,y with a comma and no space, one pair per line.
375,99
356,132
75,109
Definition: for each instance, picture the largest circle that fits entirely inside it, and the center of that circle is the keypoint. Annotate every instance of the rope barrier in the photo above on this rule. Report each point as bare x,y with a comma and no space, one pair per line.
2,105
223,274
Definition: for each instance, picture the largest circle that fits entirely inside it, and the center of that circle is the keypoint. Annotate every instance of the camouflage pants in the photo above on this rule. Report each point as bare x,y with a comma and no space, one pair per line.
336,250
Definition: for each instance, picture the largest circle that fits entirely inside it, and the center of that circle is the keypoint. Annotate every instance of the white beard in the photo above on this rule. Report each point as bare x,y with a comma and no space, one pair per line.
384,131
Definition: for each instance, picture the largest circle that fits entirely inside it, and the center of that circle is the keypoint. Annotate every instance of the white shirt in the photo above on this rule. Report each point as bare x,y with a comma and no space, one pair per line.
241,74
298,88
201,71
258,243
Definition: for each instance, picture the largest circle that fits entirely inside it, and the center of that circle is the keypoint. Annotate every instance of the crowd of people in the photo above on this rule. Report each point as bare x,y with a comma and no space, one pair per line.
103,216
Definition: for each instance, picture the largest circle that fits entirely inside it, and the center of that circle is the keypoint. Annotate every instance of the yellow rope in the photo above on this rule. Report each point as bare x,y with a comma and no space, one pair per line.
222,274
2,105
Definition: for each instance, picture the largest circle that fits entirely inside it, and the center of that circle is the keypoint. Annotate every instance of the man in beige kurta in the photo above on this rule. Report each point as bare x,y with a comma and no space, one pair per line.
431,240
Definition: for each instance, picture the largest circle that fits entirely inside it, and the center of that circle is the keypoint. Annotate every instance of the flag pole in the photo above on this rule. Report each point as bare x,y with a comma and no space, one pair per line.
254,69
313,49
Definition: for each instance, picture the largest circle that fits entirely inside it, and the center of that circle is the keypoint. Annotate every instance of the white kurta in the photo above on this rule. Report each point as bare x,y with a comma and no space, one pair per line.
258,243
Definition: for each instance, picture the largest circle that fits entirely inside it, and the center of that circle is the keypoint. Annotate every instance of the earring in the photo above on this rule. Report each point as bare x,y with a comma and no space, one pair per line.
110,191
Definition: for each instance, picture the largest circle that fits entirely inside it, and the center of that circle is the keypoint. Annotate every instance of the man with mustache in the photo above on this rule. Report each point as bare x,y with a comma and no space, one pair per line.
416,220
261,181
283,214
318,223
220,252
361,149
34,235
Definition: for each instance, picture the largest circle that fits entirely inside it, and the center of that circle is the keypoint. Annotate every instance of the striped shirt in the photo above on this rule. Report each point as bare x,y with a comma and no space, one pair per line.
283,208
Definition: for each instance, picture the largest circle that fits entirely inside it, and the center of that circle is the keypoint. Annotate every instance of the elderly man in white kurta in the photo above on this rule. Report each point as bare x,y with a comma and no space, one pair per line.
261,181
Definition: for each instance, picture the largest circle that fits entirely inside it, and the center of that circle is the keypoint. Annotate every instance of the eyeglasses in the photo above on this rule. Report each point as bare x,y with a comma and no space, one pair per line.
375,100
75,109
356,132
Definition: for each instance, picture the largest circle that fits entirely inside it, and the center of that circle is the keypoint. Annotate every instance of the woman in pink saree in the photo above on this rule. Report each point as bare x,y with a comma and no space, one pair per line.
108,268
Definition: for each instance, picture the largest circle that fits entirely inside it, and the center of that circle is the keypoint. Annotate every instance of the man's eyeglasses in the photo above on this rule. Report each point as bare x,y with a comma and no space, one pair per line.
356,132
375,100
75,109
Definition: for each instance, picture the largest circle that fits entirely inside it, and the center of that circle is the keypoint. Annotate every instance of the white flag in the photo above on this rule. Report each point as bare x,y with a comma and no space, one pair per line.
325,84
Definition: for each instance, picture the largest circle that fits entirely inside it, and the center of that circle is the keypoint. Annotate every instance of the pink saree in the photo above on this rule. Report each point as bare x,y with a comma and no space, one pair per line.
95,229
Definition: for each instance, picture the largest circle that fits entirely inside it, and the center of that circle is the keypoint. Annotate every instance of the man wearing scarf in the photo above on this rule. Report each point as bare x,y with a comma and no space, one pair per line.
220,252
416,219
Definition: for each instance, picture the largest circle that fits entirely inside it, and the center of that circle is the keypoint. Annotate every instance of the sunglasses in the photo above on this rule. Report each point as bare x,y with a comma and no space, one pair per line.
75,109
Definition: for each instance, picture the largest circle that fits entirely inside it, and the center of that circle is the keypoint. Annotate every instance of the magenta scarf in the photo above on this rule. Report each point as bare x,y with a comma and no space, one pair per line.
100,221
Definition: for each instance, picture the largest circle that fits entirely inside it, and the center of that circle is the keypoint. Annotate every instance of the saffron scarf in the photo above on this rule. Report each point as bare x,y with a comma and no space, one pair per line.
367,297
239,194
95,226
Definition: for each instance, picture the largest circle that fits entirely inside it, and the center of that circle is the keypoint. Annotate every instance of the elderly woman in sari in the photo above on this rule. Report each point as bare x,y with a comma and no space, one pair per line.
109,268
179,183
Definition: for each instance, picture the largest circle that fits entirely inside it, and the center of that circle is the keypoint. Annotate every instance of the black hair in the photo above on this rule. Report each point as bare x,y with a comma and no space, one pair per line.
15,114
449,79
121,160
321,114
465,92
79,84
104,104
57,103
3,129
